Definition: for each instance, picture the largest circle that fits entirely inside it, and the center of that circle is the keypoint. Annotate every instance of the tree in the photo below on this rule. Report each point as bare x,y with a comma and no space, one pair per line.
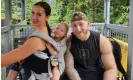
2,9
63,9
119,12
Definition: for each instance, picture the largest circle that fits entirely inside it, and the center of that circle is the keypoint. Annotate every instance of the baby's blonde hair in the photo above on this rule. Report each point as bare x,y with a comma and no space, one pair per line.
66,26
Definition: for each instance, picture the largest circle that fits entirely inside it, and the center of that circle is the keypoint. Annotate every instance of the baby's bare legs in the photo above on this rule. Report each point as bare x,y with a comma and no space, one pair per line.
12,75
56,73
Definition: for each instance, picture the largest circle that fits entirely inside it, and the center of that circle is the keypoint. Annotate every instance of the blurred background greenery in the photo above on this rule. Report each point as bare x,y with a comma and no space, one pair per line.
63,9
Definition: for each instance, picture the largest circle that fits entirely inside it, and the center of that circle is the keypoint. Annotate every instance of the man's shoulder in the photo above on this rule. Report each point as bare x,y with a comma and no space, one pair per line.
69,40
95,33
69,37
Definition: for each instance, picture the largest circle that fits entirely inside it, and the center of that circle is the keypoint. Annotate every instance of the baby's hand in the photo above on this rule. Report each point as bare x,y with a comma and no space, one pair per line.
51,49
48,45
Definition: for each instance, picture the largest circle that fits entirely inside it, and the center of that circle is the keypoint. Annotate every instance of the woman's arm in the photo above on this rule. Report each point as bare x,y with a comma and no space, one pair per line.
29,47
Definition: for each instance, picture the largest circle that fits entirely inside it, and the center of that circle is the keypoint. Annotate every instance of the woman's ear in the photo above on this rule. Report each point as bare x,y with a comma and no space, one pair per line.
88,22
47,18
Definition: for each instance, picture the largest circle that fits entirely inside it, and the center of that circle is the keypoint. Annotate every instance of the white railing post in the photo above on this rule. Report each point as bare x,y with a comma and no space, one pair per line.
107,11
23,6
8,14
106,15
130,43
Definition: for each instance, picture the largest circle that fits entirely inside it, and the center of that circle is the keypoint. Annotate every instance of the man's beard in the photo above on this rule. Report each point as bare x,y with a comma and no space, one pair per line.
82,35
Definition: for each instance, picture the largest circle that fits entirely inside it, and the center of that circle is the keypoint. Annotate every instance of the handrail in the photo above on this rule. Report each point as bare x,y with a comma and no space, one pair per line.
119,28
5,29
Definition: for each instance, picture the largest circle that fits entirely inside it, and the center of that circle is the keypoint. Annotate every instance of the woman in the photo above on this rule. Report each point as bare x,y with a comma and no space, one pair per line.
40,15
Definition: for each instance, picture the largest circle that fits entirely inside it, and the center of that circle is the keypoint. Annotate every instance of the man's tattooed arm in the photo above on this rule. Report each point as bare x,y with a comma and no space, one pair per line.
70,70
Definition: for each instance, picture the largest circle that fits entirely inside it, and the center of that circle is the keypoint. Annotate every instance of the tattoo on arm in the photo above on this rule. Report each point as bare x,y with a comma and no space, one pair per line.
70,70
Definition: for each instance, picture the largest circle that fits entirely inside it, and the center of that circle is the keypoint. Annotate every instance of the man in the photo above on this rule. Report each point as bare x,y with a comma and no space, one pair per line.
90,56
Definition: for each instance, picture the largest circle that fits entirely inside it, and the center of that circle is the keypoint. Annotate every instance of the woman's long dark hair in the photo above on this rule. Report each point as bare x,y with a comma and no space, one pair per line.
47,10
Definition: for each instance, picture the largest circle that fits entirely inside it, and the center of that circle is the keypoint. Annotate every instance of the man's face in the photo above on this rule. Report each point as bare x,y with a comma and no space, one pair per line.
80,28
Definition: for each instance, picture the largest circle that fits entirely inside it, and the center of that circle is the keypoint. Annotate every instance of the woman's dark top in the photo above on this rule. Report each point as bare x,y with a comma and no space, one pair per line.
36,64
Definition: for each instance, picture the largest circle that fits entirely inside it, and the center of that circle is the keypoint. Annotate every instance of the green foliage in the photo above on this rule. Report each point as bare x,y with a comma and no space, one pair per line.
2,16
2,9
119,12
94,9
63,9
2,6
16,11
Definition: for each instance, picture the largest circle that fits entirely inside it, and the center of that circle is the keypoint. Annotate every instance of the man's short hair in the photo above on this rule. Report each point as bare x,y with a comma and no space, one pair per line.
78,16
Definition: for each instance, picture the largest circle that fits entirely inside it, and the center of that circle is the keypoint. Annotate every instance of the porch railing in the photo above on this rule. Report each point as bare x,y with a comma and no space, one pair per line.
9,34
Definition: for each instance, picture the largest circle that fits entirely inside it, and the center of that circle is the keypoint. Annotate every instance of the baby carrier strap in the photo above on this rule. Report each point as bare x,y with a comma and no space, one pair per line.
45,37
62,47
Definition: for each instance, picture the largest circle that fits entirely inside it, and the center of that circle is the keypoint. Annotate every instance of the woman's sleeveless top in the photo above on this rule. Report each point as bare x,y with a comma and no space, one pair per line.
36,64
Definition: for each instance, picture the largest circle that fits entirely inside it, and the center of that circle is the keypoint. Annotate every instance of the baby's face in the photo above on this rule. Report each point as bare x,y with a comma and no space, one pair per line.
60,31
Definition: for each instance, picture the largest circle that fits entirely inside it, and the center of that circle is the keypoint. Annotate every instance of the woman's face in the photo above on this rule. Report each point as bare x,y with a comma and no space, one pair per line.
60,31
38,16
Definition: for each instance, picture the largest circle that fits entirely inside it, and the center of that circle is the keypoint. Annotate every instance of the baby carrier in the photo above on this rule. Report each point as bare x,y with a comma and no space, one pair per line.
60,47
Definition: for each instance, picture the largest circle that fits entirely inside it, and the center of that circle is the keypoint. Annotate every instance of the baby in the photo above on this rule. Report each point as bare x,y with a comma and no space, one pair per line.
60,35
